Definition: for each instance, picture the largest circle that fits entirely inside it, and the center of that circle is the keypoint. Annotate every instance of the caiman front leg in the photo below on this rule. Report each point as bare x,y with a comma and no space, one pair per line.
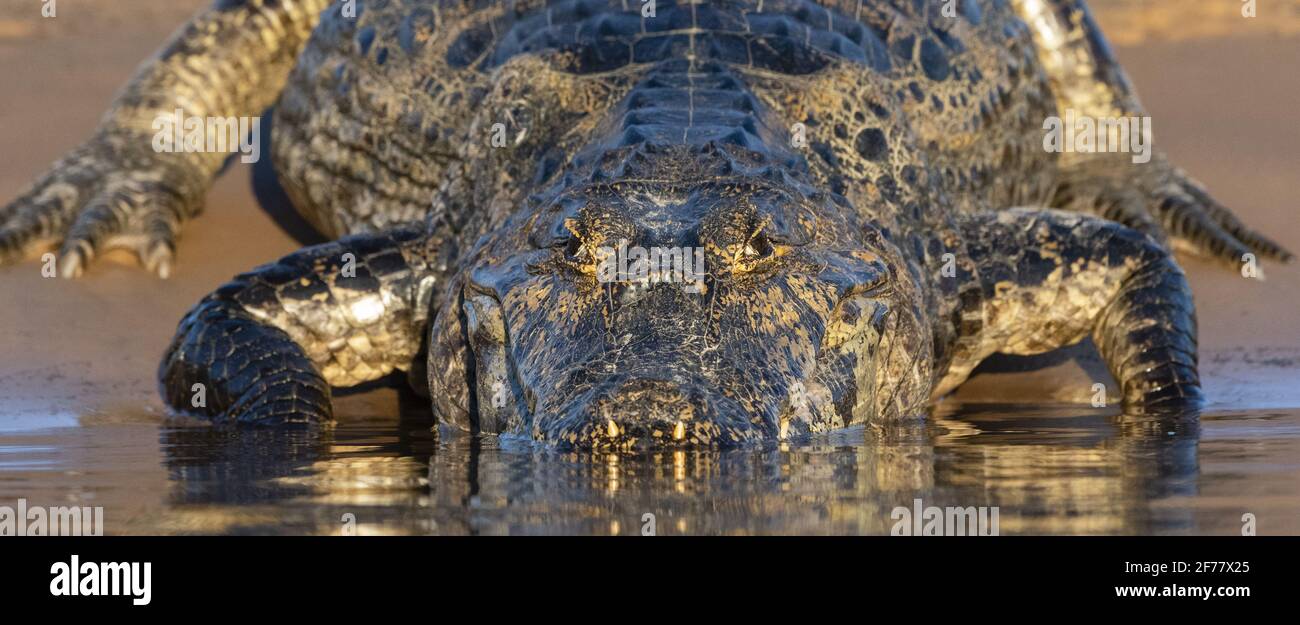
118,190
265,348
1036,280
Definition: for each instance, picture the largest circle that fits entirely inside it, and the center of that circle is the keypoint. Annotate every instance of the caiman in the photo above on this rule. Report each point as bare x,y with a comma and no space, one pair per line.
862,192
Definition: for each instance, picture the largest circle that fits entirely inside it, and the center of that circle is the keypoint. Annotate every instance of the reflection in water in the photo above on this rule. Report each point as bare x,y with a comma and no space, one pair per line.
1049,471
1063,474
295,482
1066,470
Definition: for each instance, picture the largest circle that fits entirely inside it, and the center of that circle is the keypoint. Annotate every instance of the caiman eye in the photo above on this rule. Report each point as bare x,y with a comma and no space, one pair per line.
578,254
574,251
757,255
758,248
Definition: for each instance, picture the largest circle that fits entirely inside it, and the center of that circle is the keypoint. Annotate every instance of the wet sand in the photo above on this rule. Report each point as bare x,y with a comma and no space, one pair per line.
85,351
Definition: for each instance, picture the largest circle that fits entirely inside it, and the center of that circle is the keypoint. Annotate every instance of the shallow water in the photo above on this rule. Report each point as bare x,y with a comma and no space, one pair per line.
1071,470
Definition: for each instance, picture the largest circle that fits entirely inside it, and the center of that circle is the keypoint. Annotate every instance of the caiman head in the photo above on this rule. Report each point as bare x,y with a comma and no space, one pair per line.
698,306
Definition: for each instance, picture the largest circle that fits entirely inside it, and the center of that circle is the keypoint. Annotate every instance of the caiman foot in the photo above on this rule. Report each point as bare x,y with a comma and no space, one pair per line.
1162,201
226,367
266,348
114,191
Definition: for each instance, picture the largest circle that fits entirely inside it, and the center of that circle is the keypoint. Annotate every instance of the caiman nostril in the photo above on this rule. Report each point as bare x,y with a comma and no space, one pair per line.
645,401
644,413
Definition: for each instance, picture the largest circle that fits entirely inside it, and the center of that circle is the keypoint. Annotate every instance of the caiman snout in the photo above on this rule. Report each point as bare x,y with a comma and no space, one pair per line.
641,413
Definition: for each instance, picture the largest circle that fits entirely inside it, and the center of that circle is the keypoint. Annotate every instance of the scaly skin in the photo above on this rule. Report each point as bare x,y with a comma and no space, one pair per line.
848,168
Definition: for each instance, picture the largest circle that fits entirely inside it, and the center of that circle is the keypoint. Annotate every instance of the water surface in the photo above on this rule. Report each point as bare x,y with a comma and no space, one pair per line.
1068,470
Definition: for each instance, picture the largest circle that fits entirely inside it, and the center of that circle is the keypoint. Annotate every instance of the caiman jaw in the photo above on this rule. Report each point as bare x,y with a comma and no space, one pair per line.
847,361
495,382
642,413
